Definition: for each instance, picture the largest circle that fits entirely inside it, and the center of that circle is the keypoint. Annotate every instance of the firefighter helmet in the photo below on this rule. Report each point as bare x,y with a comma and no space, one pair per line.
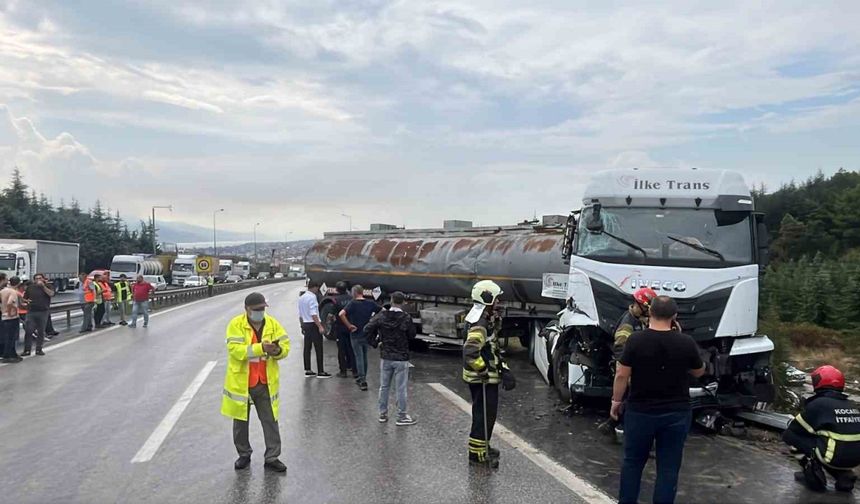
644,296
828,377
486,292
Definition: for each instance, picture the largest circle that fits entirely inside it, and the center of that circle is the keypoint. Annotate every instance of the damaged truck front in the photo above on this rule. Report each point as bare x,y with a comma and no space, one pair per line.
690,234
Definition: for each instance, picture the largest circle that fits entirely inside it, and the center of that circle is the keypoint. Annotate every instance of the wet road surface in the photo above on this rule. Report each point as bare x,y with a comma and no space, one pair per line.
72,421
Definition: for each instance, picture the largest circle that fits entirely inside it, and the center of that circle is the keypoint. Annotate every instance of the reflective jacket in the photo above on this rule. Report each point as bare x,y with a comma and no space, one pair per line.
123,291
240,351
482,361
835,422
627,325
89,291
99,289
107,293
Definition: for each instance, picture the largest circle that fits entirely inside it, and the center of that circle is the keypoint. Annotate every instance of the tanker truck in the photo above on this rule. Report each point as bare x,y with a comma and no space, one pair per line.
133,265
436,268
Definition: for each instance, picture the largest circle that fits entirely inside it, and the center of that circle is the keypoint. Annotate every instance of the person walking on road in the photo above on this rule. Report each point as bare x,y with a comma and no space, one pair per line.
38,298
255,344
312,329
345,355
483,370
9,321
655,365
393,329
826,433
355,316
140,292
122,291
87,298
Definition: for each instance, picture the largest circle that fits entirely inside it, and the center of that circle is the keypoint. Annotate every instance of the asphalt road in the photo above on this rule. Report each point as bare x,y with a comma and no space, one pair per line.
72,422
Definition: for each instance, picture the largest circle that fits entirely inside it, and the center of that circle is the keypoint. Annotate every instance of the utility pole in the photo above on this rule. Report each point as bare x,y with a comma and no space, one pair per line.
214,239
255,246
154,240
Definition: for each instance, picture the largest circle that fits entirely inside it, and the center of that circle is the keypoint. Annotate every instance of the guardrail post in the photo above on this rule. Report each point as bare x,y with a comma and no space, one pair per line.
68,319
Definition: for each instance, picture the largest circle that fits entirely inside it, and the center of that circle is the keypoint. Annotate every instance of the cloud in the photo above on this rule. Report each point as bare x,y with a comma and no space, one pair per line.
182,101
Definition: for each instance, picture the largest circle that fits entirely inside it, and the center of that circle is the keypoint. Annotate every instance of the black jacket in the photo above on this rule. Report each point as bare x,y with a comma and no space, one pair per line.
835,422
340,302
394,329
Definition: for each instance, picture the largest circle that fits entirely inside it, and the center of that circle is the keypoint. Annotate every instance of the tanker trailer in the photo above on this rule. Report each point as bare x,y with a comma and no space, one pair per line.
436,269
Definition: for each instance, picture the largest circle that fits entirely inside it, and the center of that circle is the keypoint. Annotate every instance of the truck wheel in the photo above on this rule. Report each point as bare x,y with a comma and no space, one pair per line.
327,317
560,373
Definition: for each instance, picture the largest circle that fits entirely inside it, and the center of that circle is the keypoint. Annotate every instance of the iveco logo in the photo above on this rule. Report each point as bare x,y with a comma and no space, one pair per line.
658,285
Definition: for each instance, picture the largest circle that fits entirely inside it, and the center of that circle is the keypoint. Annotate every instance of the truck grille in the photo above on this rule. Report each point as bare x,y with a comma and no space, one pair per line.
699,317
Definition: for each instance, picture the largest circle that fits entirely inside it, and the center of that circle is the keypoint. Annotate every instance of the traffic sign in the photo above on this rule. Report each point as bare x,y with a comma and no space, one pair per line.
205,264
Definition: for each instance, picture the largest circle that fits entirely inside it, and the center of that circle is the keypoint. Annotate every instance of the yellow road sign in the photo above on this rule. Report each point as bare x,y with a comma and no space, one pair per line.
205,264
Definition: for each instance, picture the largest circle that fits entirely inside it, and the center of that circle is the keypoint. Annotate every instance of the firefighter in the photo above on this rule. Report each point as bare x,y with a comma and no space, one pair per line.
634,319
826,433
483,370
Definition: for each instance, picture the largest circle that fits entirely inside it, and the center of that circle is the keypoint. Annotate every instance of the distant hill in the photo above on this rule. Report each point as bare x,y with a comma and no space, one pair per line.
181,232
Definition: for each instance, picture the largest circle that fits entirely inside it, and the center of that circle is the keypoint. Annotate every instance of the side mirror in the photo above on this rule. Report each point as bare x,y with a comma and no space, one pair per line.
762,242
569,237
594,224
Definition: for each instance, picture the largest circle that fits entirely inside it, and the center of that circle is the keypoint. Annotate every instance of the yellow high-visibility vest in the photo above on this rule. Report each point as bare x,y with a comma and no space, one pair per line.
240,351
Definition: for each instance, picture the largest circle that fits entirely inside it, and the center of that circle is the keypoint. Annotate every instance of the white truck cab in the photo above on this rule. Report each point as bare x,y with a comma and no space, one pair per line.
690,234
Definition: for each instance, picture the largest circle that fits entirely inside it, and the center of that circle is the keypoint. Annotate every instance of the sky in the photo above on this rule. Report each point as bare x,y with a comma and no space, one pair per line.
294,114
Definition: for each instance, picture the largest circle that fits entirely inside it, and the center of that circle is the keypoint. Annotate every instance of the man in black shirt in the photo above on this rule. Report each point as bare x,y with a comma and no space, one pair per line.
345,355
38,296
656,364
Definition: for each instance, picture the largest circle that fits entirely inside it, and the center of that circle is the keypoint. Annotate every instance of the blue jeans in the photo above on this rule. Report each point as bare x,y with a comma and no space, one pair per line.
640,431
399,370
359,347
138,307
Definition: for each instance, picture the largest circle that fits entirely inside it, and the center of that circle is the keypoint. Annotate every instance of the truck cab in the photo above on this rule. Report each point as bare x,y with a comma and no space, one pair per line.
691,234
183,267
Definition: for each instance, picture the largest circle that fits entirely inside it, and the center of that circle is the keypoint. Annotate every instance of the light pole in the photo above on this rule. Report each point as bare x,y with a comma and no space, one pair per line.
154,241
214,239
350,219
286,239
255,245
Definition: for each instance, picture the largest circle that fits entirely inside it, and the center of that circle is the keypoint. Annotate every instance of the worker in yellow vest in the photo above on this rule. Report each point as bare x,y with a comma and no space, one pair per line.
255,344
122,295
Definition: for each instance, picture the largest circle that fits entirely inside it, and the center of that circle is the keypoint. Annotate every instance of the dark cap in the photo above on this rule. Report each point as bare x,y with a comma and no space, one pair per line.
255,299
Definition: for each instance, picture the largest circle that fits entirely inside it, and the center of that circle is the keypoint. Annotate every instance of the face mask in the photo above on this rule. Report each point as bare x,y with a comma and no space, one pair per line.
257,315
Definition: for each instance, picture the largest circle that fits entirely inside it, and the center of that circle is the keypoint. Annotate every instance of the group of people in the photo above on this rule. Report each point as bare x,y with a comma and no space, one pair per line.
98,297
24,304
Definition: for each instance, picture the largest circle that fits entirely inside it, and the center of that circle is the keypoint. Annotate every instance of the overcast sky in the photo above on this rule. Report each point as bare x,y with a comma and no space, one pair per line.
292,113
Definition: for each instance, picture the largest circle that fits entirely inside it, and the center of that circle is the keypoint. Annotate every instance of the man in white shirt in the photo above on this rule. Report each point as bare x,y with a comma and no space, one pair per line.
312,329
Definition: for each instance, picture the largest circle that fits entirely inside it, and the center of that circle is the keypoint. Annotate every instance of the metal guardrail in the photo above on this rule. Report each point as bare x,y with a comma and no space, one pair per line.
176,296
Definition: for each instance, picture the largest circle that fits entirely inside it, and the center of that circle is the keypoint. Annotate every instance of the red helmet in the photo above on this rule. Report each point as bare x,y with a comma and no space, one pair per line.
828,377
644,296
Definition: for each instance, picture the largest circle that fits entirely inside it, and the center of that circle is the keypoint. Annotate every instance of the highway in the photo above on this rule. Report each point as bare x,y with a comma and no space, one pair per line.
132,415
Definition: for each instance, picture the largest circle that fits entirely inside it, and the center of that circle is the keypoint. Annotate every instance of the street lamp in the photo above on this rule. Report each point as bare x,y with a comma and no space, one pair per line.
255,245
350,219
154,241
214,239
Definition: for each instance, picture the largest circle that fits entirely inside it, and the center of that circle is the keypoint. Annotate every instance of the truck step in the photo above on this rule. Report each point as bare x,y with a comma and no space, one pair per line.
767,418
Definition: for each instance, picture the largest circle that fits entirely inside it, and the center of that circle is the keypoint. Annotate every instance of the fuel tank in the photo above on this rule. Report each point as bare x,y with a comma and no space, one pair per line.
441,262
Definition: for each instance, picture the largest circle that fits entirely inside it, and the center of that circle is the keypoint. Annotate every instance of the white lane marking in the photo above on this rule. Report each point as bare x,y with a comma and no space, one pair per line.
579,486
147,451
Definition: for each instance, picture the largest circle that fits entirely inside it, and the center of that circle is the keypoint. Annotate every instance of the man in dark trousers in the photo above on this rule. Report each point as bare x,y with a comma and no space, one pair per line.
483,370
826,433
355,316
312,329
38,297
656,365
345,355
393,329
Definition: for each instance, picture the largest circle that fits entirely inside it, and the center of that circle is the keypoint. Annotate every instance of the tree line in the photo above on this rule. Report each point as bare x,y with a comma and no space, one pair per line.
100,232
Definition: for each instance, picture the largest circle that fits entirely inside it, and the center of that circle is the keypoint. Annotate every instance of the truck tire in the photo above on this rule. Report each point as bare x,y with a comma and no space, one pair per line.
560,372
327,317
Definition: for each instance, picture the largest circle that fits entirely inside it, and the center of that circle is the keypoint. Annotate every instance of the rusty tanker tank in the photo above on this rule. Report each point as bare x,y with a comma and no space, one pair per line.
442,262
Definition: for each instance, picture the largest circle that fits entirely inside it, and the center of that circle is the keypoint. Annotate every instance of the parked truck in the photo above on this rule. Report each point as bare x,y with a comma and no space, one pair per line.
133,265
184,266
58,261
691,234
225,269
242,269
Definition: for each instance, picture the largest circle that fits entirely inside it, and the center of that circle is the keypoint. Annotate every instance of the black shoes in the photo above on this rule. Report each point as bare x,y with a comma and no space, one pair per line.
493,453
275,465
242,463
12,360
362,385
40,352
323,374
309,374
25,353
478,460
